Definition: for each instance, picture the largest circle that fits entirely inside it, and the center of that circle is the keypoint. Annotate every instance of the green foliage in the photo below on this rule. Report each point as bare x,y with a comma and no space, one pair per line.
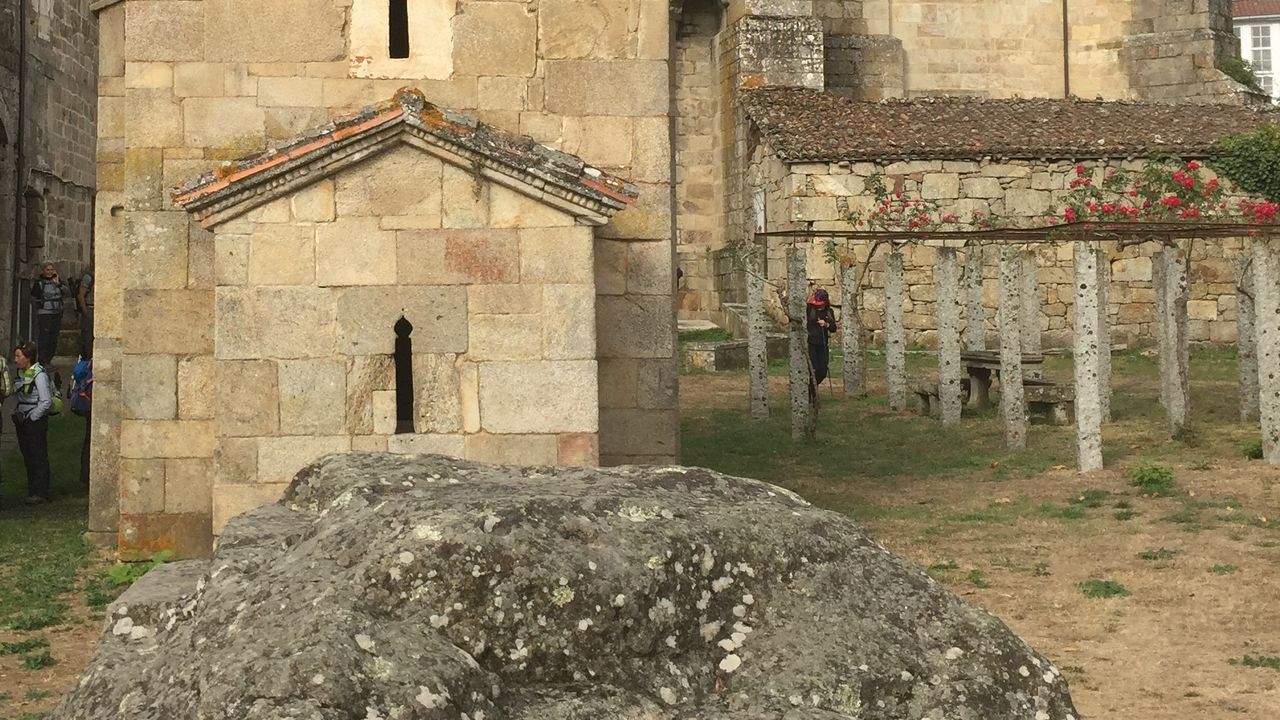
1252,161
1091,498
38,661
944,566
1103,589
107,586
1161,554
1125,514
978,579
1239,69
23,646
1223,569
708,335
1259,661
38,694
1153,479
38,618
1252,449
1071,511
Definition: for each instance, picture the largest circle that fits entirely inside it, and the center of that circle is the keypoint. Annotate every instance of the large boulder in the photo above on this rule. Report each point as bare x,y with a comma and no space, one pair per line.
385,587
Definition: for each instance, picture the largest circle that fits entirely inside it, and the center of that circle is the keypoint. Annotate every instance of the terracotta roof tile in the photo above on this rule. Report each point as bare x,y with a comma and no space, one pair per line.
808,125
1256,8
514,152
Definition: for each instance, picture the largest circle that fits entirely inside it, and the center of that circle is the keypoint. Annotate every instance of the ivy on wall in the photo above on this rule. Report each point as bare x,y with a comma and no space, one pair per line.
1252,161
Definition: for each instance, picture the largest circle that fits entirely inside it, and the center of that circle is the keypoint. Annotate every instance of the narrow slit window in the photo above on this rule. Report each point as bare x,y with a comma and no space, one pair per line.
398,24
404,376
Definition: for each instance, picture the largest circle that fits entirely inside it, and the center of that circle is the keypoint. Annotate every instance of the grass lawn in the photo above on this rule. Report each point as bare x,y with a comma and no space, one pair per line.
1152,583
46,627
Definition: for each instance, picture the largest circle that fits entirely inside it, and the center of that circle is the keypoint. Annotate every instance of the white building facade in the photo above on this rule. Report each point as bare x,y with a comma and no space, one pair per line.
1257,24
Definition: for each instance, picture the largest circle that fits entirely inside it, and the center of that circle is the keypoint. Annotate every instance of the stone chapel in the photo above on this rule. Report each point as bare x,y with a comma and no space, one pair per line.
452,225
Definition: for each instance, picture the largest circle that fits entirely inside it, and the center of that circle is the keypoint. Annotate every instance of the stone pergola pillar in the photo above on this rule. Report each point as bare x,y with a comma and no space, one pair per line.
1246,338
947,282
1013,404
1169,275
1266,300
1104,333
1029,314
757,335
975,311
855,380
1087,352
802,412
895,346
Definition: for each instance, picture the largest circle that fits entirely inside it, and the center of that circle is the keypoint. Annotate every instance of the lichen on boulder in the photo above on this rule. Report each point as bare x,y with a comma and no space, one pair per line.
391,587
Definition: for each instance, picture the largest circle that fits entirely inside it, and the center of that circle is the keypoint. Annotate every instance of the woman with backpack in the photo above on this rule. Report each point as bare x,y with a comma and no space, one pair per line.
49,294
31,420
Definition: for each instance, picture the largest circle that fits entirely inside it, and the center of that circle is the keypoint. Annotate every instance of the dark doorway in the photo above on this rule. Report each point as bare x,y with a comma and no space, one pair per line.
404,376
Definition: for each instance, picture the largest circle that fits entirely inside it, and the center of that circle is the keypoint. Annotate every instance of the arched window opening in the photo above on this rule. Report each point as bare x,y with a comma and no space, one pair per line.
404,376
398,25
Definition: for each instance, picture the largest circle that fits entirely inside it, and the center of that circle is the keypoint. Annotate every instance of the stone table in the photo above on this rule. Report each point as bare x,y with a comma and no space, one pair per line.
980,365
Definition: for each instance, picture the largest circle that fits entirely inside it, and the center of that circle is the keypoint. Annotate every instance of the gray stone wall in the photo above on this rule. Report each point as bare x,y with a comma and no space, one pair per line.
696,140
1174,47
821,195
865,67
57,154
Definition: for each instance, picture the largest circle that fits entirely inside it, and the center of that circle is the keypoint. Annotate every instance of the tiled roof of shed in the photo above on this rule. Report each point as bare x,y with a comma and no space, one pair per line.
516,153
1256,8
809,125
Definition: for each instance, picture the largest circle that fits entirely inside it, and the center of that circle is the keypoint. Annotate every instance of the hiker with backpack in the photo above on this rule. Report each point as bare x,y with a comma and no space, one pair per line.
84,303
82,405
49,294
31,420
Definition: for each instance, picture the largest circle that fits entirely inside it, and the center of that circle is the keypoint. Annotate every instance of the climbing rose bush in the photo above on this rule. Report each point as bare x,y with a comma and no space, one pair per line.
1165,191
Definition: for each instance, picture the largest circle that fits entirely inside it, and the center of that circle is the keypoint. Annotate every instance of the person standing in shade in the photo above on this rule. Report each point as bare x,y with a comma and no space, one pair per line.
84,302
821,323
49,294
31,421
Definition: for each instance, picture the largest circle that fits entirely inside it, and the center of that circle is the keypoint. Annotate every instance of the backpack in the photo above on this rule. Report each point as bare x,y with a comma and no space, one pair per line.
6,379
55,393
82,388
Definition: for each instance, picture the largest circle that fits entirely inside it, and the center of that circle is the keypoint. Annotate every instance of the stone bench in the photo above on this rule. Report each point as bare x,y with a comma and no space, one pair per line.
929,396
1050,402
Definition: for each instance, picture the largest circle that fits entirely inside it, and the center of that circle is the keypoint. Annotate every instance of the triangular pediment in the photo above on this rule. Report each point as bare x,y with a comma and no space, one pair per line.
552,177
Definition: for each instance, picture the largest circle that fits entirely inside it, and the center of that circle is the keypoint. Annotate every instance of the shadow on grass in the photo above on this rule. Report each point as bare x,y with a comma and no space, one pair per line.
42,548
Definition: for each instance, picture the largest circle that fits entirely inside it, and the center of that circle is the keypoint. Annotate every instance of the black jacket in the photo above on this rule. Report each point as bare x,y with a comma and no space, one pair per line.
819,335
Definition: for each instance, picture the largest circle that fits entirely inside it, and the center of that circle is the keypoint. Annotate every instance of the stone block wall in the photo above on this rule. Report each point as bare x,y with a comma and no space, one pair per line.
499,290
755,51
1174,47
865,67
821,195
189,85
55,183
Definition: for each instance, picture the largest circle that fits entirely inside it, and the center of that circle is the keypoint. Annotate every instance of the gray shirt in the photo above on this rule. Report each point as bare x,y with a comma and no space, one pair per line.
87,283
49,296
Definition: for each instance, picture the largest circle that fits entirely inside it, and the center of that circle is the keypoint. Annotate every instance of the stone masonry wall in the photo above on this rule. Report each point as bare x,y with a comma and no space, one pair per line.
865,67
188,85
57,151
1174,47
699,156
1114,49
820,196
499,289
755,51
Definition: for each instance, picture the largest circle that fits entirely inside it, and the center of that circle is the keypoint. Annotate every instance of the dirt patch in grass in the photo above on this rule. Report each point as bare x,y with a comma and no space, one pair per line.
1023,534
